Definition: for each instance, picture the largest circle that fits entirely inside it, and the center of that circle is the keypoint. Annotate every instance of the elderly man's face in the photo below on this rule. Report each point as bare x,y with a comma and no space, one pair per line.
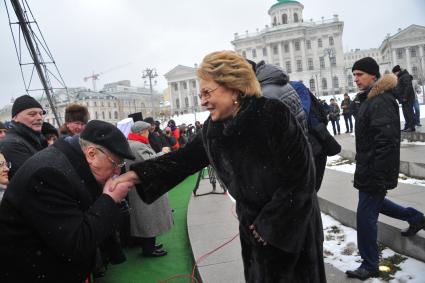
32,118
363,80
103,164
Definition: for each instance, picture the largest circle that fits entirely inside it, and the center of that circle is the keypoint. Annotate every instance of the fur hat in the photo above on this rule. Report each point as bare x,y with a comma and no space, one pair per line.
107,135
25,102
367,65
76,113
396,69
140,126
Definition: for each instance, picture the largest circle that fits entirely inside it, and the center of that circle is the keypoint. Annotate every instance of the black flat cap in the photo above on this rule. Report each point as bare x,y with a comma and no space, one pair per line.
108,136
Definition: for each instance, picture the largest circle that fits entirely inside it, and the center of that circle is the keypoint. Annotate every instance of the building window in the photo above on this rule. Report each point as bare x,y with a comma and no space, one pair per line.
286,47
415,72
308,43
295,18
399,53
324,83
95,104
413,52
244,54
142,105
274,21
193,82
115,105
275,51
319,43
284,19
177,103
322,62
186,101
310,64
175,86
312,85
184,85
335,82
96,115
103,115
195,100
254,53
299,66
110,115
264,52
333,61
288,66
331,40
350,80
116,115
297,45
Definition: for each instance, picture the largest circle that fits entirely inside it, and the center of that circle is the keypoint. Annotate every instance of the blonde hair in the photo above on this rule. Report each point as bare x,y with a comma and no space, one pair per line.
231,70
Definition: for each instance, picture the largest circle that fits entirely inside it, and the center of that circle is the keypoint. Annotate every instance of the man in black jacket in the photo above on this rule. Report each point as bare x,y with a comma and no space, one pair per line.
24,138
406,96
55,213
377,132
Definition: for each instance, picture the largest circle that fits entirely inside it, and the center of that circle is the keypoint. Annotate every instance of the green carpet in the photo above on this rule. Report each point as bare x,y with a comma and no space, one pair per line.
179,259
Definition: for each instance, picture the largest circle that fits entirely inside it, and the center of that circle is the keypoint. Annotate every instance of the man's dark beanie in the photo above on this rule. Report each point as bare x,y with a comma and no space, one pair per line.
367,65
149,120
107,135
76,113
47,129
25,102
396,69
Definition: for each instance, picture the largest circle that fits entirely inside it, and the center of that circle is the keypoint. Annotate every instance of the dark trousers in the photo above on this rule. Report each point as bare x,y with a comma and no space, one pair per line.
337,126
408,114
417,112
148,245
348,122
368,209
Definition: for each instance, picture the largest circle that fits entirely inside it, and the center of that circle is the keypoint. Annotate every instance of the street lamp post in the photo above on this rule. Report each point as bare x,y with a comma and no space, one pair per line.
150,73
330,52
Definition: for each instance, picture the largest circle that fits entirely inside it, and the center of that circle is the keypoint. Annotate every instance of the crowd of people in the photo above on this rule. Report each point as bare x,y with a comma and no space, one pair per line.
66,193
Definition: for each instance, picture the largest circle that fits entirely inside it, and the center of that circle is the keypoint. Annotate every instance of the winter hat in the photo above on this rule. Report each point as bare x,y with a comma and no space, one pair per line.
76,113
47,129
2,126
367,65
149,120
396,69
25,102
107,135
140,126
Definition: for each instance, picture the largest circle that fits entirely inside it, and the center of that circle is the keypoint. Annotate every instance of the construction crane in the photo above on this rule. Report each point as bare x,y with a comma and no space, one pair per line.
95,76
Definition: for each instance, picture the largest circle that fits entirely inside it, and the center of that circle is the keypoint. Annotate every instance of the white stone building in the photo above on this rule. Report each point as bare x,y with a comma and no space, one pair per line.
308,51
184,88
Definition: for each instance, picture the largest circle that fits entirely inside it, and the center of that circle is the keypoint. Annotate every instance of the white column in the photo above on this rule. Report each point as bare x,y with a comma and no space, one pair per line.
394,55
304,55
291,52
180,96
269,54
171,97
279,47
189,95
422,60
408,60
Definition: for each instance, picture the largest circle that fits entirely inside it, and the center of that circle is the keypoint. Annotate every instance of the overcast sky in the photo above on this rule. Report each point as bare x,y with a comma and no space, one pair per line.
100,35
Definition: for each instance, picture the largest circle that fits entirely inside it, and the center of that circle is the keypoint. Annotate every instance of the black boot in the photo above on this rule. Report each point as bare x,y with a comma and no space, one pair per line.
362,273
414,228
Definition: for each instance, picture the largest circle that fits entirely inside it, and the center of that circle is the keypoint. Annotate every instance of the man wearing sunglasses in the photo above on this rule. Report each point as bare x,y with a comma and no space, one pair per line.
55,212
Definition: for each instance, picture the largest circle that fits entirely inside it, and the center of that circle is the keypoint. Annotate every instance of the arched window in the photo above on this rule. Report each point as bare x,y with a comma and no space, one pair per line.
331,40
116,115
295,17
103,115
96,115
274,21
324,83
284,19
177,103
186,101
335,82
110,115
312,85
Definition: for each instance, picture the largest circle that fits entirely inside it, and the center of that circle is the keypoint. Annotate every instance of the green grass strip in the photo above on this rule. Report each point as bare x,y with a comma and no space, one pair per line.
138,269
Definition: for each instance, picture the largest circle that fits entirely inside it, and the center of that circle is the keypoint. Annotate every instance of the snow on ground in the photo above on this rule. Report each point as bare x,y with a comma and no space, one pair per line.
340,164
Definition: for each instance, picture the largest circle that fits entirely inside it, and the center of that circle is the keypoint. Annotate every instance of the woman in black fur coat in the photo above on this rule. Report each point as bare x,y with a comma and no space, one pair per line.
263,158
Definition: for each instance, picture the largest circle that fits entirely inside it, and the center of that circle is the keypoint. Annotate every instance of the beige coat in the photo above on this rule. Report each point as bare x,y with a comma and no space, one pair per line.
147,220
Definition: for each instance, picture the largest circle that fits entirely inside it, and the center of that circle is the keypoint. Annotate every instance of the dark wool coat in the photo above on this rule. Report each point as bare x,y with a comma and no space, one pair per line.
20,144
378,138
52,218
264,160
404,90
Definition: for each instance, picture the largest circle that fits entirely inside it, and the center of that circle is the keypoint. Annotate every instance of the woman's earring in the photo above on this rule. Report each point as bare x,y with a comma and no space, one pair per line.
235,102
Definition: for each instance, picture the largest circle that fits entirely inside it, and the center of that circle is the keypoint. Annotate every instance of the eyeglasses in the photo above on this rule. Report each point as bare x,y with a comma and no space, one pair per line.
206,93
6,164
114,163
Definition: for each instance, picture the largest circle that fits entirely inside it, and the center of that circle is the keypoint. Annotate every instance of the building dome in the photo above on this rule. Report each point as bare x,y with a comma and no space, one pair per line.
286,12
